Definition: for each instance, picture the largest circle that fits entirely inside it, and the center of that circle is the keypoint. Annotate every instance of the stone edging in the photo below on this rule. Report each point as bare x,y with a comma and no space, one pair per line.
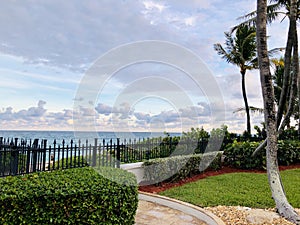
184,207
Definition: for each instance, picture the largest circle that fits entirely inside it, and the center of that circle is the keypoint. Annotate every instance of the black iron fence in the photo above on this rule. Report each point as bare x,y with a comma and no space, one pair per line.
19,156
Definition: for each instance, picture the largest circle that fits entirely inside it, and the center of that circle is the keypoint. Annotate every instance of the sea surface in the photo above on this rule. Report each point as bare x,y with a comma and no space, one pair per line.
59,136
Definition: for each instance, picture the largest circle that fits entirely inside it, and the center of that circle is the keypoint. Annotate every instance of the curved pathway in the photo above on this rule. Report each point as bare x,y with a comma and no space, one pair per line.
155,209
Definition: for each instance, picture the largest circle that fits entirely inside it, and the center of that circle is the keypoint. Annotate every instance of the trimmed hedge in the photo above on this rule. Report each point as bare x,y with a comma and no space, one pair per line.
239,154
74,196
177,168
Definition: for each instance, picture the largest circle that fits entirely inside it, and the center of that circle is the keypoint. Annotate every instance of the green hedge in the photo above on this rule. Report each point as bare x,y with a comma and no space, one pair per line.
74,196
179,167
78,161
288,152
239,154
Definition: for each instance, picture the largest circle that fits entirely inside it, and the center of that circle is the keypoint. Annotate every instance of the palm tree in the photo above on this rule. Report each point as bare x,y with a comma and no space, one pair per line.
291,11
241,51
278,194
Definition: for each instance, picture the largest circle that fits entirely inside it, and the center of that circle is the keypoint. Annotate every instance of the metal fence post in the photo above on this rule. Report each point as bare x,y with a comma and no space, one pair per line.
44,154
34,154
118,153
15,157
94,157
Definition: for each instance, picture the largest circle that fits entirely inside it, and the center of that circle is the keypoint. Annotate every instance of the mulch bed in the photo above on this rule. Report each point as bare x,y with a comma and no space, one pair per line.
224,170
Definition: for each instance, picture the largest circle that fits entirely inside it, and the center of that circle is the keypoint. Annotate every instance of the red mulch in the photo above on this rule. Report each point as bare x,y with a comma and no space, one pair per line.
165,185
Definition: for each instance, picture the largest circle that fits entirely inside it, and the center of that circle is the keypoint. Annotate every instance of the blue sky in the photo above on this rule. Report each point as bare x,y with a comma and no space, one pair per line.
46,48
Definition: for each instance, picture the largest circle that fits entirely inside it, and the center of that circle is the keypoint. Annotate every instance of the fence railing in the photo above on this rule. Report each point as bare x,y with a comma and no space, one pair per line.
19,156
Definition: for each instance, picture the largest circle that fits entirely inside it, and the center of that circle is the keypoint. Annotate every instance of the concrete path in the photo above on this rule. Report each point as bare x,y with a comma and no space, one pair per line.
155,209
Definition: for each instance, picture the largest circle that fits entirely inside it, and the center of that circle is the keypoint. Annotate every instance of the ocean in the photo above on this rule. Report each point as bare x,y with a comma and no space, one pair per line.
59,136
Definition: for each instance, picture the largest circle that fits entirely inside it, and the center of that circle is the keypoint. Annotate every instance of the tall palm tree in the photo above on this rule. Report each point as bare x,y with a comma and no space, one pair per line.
240,50
278,194
292,12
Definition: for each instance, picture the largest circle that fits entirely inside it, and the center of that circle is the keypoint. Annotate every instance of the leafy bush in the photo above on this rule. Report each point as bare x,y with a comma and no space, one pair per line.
75,196
239,154
78,161
179,167
289,134
288,152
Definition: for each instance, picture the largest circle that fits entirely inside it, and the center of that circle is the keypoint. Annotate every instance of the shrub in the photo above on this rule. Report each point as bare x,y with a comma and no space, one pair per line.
78,161
179,167
239,154
288,152
74,196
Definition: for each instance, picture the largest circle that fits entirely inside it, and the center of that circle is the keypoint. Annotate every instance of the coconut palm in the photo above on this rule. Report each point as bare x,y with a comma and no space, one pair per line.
278,193
240,50
276,9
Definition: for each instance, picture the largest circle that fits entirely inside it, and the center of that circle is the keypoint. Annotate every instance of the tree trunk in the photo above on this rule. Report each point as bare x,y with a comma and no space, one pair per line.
243,73
278,194
287,69
298,86
294,75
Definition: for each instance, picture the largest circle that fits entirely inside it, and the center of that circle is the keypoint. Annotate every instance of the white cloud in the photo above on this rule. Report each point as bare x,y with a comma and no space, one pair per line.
46,46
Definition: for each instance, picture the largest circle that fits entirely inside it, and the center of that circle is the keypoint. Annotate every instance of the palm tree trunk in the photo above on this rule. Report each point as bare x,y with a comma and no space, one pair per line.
295,65
278,194
243,73
298,86
294,77
287,68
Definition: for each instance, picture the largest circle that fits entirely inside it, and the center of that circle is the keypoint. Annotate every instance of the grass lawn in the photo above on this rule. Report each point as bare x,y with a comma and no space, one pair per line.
237,189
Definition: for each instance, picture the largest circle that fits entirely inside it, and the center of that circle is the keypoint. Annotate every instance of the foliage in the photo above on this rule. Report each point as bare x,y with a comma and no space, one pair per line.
236,189
261,132
78,161
179,167
77,196
288,152
289,134
239,154
196,134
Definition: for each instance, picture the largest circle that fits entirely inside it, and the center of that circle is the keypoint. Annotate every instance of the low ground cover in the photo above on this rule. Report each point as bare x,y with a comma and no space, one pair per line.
243,189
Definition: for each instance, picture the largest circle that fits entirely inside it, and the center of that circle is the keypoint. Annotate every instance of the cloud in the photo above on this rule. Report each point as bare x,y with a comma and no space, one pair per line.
46,46
73,34
70,34
35,117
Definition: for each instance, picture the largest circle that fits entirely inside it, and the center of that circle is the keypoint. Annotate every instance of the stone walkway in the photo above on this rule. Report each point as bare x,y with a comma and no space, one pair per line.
159,210
149,213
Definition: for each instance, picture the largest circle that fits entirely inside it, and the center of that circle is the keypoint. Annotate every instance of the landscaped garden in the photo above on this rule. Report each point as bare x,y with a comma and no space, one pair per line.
236,189
234,177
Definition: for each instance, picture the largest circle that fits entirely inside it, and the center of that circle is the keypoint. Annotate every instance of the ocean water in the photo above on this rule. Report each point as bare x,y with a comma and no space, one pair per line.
59,136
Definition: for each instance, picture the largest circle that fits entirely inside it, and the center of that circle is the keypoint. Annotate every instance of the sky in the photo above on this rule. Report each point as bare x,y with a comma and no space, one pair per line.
48,48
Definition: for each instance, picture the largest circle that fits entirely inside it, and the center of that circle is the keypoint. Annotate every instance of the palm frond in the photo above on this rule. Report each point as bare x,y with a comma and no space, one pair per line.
230,47
251,108
223,53
272,14
275,51
249,22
